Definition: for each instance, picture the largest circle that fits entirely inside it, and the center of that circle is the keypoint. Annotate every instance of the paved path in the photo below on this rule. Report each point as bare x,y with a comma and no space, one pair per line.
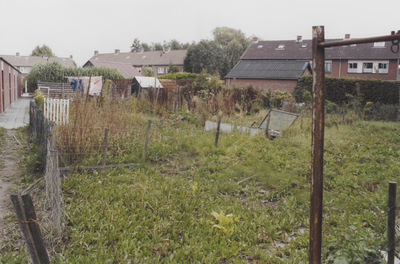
17,115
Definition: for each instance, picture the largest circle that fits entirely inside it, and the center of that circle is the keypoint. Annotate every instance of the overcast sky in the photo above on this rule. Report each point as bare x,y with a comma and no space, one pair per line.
79,27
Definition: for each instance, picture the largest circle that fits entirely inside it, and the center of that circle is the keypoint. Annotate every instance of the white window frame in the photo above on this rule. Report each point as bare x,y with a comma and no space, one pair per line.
383,67
160,70
351,68
368,69
328,68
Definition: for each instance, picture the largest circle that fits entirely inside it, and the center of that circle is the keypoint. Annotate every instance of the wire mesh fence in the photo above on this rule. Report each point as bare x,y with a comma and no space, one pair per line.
51,215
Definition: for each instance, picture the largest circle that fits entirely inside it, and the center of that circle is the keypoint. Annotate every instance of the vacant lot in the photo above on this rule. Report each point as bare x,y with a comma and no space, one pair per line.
245,201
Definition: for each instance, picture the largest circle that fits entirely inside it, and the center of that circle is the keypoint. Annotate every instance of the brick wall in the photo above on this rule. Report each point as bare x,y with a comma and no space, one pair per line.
10,85
343,65
265,85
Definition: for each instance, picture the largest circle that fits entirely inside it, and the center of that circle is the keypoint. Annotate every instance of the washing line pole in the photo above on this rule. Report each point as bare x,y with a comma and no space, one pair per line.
318,121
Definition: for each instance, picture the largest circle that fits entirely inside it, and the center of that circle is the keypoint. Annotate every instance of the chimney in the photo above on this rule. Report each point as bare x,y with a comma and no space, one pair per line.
96,52
347,36
116,51
17,54
255,40
299,39
71,57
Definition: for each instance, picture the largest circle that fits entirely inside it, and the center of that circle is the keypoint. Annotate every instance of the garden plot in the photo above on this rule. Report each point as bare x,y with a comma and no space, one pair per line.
275,121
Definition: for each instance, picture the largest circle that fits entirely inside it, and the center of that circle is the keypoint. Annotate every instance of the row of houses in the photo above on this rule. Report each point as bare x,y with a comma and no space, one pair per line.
277,65
267,65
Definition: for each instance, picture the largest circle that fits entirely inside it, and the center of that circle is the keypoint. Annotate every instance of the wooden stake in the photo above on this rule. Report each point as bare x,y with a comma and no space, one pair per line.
217,134
391,221
23,224
147,140
105,146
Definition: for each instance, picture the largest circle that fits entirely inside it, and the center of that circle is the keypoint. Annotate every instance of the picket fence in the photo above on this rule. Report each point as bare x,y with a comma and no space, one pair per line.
56,110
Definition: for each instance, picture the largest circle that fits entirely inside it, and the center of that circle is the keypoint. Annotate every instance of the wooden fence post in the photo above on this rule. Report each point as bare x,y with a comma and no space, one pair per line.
35,229
23,224
218,128
147,140
391,221
105,146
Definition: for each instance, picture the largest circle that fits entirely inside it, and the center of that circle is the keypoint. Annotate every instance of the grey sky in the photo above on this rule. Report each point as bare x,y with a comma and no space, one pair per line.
79,27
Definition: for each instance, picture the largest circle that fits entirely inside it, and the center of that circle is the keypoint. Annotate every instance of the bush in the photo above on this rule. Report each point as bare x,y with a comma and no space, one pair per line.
381,112
337,90
179,76
55,72
39,97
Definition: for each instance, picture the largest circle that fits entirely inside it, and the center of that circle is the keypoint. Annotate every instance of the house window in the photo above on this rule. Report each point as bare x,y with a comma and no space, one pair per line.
383,67
368,67
280,47
328,66
352,67
160,70
259,46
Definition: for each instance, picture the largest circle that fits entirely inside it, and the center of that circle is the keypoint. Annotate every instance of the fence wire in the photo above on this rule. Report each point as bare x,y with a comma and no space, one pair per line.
51,217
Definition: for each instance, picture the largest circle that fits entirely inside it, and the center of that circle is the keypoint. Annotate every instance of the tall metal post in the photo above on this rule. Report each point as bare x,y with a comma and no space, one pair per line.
317,144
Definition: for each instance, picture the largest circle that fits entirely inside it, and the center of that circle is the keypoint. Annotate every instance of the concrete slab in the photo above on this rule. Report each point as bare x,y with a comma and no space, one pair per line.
17,115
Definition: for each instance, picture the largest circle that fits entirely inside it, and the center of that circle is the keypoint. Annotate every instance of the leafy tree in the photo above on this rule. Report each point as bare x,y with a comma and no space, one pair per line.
148,71
135,44
172,68
156,46
206,55
55,72
220,54
44,50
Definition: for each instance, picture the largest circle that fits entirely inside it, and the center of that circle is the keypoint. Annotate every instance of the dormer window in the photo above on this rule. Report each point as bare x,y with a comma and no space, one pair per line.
304,45
379,44
259,46
280,47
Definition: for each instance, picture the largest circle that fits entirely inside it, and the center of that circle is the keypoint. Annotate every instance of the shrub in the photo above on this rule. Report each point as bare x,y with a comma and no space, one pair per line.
381,112
39,97
179,76
338,89
55,72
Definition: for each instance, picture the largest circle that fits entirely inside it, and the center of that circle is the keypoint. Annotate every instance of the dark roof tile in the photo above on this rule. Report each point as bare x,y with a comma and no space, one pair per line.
269,69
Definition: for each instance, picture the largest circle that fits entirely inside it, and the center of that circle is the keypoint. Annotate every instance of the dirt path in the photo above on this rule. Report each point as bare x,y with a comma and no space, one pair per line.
9,171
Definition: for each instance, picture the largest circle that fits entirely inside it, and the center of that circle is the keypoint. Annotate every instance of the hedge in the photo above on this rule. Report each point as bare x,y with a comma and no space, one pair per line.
373,90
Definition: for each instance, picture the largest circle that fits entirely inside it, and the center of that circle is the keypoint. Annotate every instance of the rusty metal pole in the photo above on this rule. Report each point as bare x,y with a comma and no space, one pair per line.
317,144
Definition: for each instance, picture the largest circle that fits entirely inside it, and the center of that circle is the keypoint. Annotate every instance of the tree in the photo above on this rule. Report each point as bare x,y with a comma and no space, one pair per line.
220,54
148,71
172,68
135,45
44,50
206,55
156,46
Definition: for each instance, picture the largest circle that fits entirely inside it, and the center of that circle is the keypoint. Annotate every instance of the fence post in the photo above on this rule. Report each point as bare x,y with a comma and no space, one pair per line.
391,221
147,140
218,128
105,146
23,224
35,229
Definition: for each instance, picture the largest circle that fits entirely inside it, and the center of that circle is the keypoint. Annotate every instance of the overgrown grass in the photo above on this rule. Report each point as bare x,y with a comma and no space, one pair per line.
163,212
3,133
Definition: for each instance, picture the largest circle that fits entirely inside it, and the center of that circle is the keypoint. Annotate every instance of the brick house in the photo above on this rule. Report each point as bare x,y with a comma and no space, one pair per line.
365,61
268,74
10,84
25,63
158,59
